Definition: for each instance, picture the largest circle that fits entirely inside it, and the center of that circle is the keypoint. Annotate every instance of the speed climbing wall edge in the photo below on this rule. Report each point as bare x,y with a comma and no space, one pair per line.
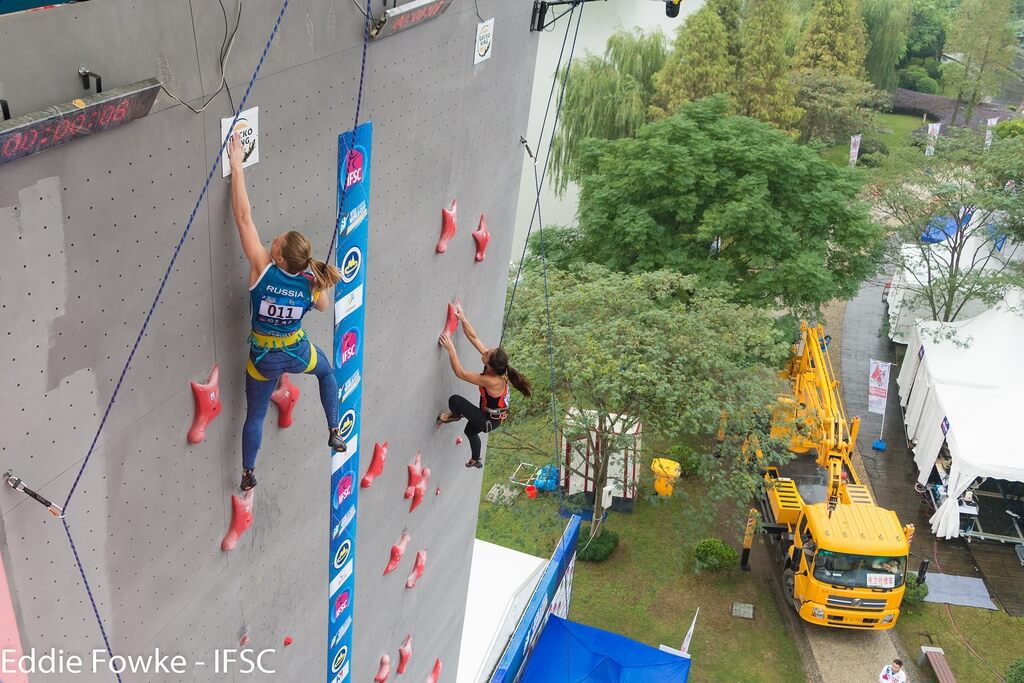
89,227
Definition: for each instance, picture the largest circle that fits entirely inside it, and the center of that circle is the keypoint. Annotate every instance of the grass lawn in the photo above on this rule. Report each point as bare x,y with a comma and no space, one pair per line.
996,637
647,590
895,130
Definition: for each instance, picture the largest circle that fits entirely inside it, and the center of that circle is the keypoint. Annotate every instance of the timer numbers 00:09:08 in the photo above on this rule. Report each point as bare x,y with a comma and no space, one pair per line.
65,128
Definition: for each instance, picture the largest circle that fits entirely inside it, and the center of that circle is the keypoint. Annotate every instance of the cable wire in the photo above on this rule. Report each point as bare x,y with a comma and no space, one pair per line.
225,49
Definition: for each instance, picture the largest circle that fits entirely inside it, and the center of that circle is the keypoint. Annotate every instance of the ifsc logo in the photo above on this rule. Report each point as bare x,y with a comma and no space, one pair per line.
349,345
354,168
344,490
351,264
348,424
339,659
340,605
343,552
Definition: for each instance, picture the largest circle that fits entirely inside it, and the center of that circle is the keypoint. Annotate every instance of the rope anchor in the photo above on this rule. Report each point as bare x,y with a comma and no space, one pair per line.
18,485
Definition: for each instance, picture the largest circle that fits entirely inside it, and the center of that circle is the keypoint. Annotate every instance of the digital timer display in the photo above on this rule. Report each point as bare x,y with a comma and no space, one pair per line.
39,131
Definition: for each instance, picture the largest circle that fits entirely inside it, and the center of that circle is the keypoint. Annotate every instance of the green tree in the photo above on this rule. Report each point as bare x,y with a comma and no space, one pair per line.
834,39
887,23
727,198
606,97
981,36
730,12
698,65
835,106
650,348
763,91
929,22
981,191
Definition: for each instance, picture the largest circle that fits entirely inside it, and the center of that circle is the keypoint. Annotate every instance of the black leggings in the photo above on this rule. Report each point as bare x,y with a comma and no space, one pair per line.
476,421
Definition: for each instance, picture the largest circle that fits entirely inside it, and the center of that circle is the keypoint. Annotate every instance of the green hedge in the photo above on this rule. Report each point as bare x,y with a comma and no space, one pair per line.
600,549
914,594
712,554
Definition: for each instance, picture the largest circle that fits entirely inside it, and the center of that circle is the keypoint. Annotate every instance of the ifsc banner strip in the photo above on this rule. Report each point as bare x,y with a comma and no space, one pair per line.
349,321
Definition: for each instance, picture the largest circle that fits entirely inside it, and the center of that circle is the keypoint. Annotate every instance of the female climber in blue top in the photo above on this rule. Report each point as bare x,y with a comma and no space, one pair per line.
495,382
284,283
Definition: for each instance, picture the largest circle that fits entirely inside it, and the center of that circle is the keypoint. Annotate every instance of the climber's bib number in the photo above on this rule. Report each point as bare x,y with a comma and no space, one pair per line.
279,312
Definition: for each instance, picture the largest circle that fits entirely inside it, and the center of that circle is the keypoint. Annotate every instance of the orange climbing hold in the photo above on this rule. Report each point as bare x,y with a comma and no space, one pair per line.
482,237
384,670
397,551
207,397
241,519
435,673
285,396
448,228
417,569
380,454
404,653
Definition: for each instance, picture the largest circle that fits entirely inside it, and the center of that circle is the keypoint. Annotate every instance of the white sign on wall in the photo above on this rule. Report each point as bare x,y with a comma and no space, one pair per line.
248,128
484,41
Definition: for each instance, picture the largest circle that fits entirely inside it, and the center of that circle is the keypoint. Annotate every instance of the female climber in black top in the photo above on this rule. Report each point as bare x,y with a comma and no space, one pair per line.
494,383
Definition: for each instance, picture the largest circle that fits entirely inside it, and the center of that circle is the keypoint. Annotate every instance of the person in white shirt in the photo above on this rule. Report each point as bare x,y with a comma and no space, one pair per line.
893,673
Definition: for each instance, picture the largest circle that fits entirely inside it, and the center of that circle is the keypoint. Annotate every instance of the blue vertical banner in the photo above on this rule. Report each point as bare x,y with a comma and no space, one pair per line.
349,337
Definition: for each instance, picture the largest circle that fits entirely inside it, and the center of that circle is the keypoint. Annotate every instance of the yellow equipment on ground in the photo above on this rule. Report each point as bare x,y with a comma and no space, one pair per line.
844,559
665,474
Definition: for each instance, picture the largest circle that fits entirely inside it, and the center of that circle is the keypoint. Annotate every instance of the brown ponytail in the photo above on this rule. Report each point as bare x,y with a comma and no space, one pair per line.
499,363
297,253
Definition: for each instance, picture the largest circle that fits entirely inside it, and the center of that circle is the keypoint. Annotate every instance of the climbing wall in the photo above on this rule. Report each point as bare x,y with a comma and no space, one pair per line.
89,228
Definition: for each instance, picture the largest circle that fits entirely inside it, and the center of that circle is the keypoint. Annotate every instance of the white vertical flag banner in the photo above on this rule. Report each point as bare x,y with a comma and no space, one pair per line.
933,135
878,386
988,131
685,649
854,149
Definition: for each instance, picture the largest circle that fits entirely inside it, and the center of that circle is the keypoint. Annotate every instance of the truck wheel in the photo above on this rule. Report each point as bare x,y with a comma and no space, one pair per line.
789,582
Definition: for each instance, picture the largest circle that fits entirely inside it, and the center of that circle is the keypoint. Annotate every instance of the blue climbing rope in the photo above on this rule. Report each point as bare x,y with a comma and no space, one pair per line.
145,325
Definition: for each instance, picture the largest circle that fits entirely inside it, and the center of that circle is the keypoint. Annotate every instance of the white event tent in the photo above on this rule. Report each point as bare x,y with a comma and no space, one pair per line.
963,382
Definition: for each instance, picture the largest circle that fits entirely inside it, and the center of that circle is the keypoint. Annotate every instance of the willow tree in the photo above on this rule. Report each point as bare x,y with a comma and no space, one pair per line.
888,24
606,97
697,67
763,90
834,39
982,38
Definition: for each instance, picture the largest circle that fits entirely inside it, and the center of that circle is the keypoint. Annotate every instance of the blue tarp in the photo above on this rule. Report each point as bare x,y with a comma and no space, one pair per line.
941,228
573,653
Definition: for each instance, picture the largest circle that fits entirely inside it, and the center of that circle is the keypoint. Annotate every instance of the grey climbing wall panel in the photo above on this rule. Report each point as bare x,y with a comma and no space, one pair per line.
88,230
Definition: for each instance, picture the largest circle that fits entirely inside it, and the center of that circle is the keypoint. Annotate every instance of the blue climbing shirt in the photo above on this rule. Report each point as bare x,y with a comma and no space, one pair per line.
278,301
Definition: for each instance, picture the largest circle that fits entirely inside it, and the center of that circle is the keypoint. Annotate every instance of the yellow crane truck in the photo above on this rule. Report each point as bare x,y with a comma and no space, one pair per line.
844,558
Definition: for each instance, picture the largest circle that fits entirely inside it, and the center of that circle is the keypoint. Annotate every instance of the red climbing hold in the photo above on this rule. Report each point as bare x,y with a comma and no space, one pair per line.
241,519
482,237
458,441
435,673
418,478
438,491
447,228
380,454
208,405
285,396
244,640
404,653
451,323
288,641
417,569
384,671
397,550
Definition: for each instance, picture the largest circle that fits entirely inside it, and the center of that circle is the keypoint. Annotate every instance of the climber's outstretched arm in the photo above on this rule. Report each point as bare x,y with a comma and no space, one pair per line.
259,257
471,334
471,377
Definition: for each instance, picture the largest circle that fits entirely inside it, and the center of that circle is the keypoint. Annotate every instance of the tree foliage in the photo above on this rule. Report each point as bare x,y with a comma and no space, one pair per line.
887,23
763,91
981,36
834,39
835,106
697,67
929,22
606,97
652,347
731,13
981,258
728,198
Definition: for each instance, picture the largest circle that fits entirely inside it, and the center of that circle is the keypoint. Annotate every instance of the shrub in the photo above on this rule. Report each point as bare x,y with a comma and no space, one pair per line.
714,555
599,549
689,460
910,76
914,594
928,85
1010,129
1015,674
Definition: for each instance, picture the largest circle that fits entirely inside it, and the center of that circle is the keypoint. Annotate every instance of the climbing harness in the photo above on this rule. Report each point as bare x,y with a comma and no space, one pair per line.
262,344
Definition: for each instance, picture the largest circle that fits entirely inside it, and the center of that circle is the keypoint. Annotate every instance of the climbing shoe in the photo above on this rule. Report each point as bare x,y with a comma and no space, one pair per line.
335,441
474,463
248,480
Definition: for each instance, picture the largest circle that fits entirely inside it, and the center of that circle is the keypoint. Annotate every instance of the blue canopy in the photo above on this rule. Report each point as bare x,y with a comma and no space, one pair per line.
573,653
941,228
